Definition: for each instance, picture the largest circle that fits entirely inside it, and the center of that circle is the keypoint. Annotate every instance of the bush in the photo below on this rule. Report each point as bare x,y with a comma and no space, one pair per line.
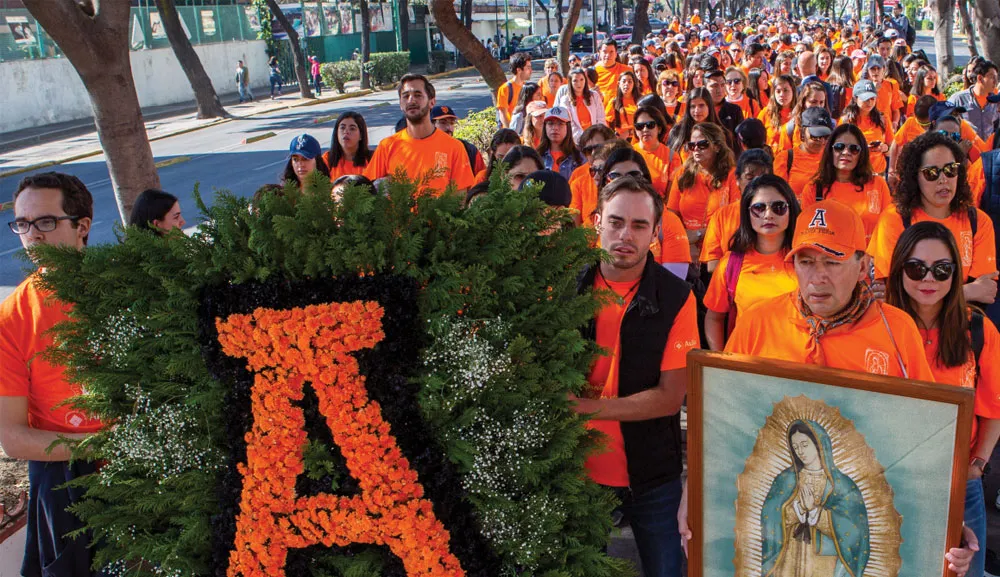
337,74
478,128
953,87
387,67
927,25
440,60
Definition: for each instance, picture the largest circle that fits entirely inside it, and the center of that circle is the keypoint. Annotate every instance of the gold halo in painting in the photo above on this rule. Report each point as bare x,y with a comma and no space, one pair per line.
849,525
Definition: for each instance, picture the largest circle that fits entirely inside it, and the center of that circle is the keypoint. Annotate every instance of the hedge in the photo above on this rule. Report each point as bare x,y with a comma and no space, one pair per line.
383,67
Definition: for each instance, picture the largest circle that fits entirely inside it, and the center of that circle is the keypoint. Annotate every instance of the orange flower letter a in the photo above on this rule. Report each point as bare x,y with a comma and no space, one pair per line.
284,349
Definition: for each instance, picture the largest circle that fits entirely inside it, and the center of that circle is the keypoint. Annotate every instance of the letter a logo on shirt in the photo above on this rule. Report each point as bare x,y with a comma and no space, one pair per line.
819,219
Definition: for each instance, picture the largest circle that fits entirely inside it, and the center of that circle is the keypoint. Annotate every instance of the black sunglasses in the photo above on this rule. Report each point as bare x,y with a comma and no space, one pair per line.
596,169
932,173
670,83
840,147
734,81
918,269
648,125
699,145
778,207
633,173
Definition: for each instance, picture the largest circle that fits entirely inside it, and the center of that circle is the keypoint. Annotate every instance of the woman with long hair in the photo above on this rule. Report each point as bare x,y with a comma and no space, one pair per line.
620,110
156,211
841,81
864,113
348,152
754,268
705,182
784,64
961,345
738,94
698,107
521,161
534,124
779,109
812,95
644,73
846,175
669,88
558,151
824,62
925,82
503,140
530,92
304,158
651,128
759,87
582,101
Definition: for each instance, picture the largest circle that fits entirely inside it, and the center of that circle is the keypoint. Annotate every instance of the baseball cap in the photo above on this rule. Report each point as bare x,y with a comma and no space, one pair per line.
440,112
649,43
807,39
555,190
864,90
679,38
817,121
557,112
892,33
535,108
899,42
875,61
704,34
830,227
944,108
858,53
305,146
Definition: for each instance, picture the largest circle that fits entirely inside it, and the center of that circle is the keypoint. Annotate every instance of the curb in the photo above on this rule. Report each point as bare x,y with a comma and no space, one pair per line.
172,161
257,137
7,206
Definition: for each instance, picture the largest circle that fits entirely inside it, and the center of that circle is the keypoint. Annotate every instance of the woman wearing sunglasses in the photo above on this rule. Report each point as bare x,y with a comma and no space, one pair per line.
863,112
924,280
669,88
933,187
670,247
651,132
698,108
706,182
754,269
581,182
845,175
736,92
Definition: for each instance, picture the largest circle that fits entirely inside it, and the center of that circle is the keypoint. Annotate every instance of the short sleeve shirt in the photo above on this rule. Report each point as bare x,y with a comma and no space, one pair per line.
438,156
761,277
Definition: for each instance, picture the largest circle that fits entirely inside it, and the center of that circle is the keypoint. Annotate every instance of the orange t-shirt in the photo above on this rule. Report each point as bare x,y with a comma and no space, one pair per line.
889,99
869,202
507,97
583,194
773,132
344,167
909,130
721,229
978,254
658,169
977,181
872,134
607,79
749,107
988,387
583,113
697,204
610,467
672,244
761,277
481,176
784,140
625,117
695,20
775,329
804,167
911,101
438,152
980,100
25,319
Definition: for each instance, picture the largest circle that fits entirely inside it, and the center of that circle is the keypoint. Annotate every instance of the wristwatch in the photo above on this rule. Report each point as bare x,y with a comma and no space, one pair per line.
978,463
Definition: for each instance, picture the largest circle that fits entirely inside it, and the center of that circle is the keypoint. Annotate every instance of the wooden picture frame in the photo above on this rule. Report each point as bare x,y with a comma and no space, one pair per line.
728,394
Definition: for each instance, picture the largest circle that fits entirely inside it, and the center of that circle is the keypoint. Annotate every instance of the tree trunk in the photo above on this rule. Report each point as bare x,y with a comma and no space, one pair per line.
988,26
966,25
366,43
858,5
640,21
466,6
943,16
404,24
95,41
298,60
559,14
466,43
204,93
566,35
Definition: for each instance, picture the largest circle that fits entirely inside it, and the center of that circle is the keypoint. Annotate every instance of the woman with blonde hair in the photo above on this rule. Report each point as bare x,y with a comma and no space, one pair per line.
668,86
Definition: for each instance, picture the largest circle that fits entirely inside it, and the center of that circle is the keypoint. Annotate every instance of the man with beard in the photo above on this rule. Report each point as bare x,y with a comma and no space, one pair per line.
423,152
636,388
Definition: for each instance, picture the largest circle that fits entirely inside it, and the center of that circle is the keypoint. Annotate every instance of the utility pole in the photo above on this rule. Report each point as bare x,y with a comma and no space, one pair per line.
506,25
593,23
531,4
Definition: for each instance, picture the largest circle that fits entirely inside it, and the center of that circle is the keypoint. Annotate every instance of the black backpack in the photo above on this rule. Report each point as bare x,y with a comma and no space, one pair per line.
973,221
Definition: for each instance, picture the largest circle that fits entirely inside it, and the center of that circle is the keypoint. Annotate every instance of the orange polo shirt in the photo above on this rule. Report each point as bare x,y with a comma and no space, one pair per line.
987,389
697,204
607,79
869,202
978,253
439,154
804,167
721,228
775,329
761,277
610,467
26,316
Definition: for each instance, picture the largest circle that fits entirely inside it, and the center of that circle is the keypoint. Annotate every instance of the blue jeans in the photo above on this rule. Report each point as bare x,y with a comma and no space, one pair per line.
275,84
653,518
245,93
318,84
975,518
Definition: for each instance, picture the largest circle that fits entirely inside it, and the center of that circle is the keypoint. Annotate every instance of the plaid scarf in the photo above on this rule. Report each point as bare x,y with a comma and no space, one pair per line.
818,326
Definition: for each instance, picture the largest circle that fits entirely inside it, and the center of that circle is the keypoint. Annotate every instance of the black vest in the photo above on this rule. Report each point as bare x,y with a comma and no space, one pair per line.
653,447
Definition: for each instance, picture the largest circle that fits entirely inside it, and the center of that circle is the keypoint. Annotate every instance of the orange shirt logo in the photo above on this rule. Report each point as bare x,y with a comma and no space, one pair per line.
966,245
877,362
874,201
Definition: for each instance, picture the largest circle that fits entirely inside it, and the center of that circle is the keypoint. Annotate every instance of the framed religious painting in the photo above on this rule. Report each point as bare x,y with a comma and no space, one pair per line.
804,471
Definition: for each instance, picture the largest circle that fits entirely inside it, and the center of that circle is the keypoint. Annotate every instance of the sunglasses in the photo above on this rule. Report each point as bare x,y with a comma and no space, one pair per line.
840,147
670,83
778,207
956,136
596,169
699,145
932,173
650,125
918,269
632,173
734,81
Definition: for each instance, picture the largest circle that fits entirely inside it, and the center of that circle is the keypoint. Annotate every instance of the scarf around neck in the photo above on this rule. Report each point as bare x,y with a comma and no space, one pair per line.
860,301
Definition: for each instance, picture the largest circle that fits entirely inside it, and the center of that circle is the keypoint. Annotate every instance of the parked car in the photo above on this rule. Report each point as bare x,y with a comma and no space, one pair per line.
554,42
622,33
656,25
536,46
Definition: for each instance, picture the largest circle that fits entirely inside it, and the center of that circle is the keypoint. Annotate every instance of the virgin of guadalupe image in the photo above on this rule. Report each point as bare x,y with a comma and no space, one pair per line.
814,522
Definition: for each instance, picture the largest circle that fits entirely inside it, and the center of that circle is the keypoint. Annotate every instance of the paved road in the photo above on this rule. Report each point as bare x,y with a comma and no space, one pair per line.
219,161
925,42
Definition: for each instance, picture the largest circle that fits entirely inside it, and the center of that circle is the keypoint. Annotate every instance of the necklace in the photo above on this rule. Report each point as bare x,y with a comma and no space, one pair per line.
628,293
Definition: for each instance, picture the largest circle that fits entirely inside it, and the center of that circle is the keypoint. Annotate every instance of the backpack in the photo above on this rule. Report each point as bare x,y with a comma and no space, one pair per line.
788,169
911,34
978,337
510,100
732,275
973,221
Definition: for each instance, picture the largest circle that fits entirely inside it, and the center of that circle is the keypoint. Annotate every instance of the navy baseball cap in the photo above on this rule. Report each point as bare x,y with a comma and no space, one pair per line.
305,146
944,108
817,121
440,112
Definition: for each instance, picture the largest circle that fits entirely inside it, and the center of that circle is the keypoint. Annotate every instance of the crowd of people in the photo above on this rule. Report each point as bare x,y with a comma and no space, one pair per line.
794,190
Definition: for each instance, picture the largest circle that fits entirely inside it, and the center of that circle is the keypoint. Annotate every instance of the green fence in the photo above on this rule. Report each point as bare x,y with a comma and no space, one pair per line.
342,46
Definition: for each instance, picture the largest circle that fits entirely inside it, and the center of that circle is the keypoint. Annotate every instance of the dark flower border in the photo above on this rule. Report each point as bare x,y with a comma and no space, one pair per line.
389,369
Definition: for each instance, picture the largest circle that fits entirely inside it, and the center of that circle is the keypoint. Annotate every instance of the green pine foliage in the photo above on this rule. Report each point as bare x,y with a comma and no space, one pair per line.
499,301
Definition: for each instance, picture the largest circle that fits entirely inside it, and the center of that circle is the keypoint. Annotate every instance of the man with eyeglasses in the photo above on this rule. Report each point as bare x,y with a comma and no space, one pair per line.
50,209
